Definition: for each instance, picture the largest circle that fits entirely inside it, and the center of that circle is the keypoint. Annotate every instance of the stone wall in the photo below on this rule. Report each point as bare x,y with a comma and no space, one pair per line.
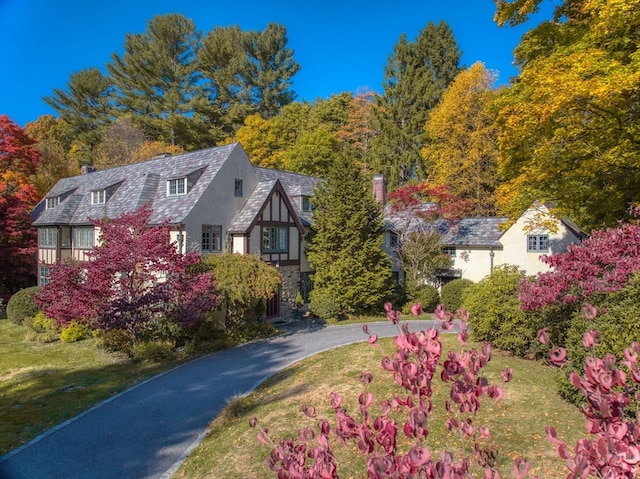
290,287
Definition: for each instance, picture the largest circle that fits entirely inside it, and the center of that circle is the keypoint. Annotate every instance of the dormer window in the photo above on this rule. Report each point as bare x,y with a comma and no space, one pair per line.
52,202
306,204
98,197
177,186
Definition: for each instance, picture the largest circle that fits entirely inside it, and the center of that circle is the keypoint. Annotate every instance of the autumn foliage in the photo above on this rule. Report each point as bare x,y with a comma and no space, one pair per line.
19,160
134,278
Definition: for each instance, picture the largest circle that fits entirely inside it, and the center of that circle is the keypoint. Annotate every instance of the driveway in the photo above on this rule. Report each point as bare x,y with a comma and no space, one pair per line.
146,431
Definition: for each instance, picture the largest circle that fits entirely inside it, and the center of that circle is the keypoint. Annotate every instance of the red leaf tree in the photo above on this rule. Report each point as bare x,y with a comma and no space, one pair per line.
132,278
18,161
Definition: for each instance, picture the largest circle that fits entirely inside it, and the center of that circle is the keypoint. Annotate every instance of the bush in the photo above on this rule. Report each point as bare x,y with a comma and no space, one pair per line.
22,305
324,307
451,293
244,333
154,351
495,314
74,332
428,296
114,341
41,328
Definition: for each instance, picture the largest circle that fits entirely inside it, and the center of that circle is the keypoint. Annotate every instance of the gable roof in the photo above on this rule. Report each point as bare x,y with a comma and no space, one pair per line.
295,185
246,219
139,184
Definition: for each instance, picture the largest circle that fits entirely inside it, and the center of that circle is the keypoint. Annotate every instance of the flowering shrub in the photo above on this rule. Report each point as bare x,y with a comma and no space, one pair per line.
374,431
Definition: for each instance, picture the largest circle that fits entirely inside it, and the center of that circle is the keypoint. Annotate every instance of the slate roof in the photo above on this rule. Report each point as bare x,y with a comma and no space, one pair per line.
139,184
476,231
295,185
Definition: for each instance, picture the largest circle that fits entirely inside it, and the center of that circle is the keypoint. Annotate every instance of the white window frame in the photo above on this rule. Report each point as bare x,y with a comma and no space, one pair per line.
44,273
84,237
307,207
450,251
537,243
177,187
47,237
98,197
52,202
275,239
211,238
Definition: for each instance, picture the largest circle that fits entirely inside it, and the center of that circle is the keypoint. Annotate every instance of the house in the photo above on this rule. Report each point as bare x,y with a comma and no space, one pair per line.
476,245
215,201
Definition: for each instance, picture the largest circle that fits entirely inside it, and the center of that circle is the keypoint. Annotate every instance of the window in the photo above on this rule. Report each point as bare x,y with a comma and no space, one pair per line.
47,237
65,237
537,243
83,237
44,273
177,186
238,187
450,250
274,239
52,202
394,239
306,204
99,197
211,238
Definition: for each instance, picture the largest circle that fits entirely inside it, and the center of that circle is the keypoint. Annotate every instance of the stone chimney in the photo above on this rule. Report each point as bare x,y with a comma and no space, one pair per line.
380,189
86,169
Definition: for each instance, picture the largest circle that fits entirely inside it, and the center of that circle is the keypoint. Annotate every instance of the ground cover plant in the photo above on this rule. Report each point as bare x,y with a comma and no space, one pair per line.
517,422
42,385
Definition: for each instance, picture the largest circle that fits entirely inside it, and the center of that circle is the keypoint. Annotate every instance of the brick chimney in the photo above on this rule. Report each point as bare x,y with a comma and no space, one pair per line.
86,168
380,189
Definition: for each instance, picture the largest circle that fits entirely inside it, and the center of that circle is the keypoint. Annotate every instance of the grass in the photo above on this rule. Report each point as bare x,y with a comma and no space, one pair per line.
517,423
42,385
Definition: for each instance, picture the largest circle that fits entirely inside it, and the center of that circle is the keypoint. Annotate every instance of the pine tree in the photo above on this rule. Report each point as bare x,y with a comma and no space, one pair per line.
345,243
416,75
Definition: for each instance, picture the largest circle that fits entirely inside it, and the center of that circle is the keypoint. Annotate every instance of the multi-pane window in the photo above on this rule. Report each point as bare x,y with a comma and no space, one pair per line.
275,239
238,187
65,237
44,273
177,186
211,238
83,237
99,197
306,204
52,202
450,250
47,237
537,243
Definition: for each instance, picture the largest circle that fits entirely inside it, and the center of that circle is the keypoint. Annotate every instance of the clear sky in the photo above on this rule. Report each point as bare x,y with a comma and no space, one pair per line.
341,45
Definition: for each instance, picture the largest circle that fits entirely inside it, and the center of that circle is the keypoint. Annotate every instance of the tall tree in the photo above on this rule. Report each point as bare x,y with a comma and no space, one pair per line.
19,160
247,73
345,243
415,76
159,84
86,106
570,128
313,154
358,132
119,144
462,150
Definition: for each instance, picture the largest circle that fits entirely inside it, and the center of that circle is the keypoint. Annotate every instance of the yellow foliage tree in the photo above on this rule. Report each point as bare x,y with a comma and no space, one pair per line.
461,150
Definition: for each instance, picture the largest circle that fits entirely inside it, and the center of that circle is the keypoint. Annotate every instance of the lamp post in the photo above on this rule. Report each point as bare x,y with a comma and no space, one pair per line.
491,256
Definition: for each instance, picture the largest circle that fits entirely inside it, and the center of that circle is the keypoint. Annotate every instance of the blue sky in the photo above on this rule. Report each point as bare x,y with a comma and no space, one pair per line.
340,45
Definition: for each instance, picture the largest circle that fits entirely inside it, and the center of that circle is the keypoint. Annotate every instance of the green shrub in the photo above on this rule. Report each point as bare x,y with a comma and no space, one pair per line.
74,332
495,314
154,351
428,296
243,333
451,293
22,305
324,307
41,328
114,341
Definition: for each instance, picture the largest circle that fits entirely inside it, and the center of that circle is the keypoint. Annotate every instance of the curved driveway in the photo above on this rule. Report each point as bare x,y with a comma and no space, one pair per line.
147,430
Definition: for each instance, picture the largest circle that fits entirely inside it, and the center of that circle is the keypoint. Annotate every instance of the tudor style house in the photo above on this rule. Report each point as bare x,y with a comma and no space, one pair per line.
215,201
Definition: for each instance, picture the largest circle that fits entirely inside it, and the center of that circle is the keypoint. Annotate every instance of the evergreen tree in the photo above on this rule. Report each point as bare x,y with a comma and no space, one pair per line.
345,242
415,76
158,82
247,72
86,106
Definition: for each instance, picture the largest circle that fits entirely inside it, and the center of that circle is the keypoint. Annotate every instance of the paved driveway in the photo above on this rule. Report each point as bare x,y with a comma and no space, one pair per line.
146,431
